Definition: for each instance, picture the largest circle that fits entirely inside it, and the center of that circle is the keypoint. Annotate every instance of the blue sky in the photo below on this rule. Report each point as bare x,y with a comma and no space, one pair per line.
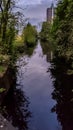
35,10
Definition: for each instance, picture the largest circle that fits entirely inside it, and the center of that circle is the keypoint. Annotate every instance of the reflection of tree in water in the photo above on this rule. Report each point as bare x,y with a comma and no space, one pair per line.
16,109
47,50
63,94
29,50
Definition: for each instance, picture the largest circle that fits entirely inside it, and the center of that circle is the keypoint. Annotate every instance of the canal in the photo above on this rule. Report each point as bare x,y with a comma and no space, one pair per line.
38,100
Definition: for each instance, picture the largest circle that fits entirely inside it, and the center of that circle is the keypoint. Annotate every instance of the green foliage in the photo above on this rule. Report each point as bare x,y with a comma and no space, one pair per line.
4,59
18,45
62,30
7,30
45,32
2,90
2,69
29,35
9,23
7,26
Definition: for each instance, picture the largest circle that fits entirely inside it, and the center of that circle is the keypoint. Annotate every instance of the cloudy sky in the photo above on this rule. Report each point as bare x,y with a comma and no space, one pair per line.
35,2
35,10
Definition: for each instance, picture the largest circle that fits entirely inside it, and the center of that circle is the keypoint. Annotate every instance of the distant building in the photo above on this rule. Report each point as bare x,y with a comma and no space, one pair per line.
50,13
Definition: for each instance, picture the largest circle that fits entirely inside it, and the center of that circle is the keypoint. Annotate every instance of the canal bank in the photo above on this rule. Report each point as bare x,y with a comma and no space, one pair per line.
39,99
6,82
29,104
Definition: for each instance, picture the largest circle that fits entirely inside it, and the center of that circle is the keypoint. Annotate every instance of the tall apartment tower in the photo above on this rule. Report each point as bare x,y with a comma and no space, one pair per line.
50,13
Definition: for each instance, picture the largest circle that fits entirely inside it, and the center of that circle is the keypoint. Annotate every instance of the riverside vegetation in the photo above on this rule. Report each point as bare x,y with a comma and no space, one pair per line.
11,43
29,37
8,31
60,33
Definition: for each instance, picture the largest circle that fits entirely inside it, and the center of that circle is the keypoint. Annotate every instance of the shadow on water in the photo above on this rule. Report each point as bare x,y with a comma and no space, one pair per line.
15,105
15,109
63,94
29,50
63,88
47,50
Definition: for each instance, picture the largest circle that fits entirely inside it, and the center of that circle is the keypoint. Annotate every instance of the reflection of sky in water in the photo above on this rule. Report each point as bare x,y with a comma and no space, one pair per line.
37,83
35,10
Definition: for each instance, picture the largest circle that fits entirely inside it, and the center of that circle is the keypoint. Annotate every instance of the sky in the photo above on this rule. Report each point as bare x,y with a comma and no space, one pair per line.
35,2
35,10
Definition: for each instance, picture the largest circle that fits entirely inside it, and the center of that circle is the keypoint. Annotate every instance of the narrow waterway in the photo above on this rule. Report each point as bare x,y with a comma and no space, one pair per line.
36,82
42,98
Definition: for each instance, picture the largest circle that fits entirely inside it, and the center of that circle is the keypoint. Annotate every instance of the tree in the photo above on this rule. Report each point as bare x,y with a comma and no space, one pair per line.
9,22
63,30
45,31
29,35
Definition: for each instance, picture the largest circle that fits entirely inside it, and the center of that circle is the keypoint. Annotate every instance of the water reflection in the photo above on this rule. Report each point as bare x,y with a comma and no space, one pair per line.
37,84
48,50
63,94
15,109
63,88
34,81
29,50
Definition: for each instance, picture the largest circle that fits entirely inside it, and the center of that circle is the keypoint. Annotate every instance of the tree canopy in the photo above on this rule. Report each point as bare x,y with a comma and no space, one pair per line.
9,24
45,31
29,35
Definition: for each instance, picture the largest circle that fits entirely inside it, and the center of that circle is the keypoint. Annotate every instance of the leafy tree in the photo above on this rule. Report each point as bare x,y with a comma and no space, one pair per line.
62,30
7,28
45,31
29,35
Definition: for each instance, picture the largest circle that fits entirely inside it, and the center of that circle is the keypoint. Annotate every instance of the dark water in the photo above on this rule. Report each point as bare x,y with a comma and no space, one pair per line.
42,98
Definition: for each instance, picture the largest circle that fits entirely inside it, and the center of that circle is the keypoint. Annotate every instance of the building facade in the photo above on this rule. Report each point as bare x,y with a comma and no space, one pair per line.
50,13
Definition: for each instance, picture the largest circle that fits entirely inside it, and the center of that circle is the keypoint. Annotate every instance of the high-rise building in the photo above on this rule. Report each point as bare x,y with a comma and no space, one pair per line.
50,13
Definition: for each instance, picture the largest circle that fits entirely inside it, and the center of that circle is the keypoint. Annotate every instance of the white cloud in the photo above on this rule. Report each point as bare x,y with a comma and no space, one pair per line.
35,10
29,2
34,2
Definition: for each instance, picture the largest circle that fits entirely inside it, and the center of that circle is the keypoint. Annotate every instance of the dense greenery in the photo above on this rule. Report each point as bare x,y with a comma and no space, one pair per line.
11,42
29,38
29,35
18,45
62,30
9,26
45,32
7,32
60,33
